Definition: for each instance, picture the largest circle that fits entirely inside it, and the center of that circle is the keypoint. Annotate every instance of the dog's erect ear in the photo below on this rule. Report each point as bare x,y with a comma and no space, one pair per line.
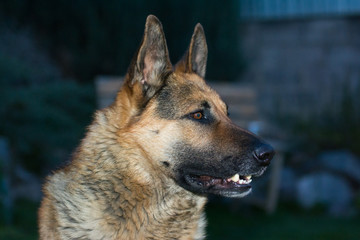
152,61
195,58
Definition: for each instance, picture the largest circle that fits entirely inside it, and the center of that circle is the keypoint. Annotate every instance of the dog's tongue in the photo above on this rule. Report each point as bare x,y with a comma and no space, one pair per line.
205,178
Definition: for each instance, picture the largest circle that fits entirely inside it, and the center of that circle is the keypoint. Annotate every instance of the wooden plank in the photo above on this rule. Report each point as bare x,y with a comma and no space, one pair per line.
106,89
233,91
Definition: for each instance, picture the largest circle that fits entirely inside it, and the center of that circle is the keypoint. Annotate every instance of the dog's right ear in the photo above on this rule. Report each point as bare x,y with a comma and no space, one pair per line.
151,63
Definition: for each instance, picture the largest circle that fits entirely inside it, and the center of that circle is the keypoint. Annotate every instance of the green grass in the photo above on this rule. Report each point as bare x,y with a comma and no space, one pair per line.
247,223
287,223
24,224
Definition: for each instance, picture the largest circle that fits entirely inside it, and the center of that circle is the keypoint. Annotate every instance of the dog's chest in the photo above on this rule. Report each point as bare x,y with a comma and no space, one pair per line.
178,227
174,216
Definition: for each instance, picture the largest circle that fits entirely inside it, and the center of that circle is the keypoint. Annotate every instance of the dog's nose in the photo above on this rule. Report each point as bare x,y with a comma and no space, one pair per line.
263,154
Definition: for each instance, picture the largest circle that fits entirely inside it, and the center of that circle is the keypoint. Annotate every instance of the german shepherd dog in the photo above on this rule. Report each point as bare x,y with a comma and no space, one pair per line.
149,160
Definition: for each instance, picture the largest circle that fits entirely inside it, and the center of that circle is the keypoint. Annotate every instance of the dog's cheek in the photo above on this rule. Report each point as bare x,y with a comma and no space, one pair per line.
157,139
195,134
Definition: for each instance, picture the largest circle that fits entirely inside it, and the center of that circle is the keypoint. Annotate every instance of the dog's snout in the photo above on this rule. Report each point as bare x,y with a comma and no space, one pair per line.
263,154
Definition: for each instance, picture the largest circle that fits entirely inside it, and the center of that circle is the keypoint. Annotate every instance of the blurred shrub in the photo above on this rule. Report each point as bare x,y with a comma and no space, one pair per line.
44,123
99,37
42,115
335,128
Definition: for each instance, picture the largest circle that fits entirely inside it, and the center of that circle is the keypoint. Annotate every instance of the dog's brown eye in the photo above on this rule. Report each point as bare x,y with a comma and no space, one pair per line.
197,115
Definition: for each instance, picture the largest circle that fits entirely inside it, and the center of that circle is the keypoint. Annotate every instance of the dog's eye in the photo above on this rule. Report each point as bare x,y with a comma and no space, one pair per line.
198,115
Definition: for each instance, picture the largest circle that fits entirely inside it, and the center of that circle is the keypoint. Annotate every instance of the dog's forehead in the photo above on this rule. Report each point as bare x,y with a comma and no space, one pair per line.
184,93
195,87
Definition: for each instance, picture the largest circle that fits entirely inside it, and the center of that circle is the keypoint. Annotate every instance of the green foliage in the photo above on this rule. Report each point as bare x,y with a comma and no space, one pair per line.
286,223
24,225
99,37
41,114
45,122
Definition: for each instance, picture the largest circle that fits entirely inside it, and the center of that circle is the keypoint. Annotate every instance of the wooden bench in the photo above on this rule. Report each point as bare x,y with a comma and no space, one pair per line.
243,108
240,99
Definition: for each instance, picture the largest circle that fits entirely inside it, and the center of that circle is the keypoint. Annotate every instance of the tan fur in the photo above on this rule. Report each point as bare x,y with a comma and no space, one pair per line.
122,182
117,192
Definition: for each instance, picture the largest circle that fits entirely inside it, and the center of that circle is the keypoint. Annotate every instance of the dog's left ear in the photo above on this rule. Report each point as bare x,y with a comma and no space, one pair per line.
195,58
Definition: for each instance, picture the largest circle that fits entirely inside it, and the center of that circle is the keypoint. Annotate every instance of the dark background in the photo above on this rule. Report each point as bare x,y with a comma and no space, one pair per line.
87,38
301,59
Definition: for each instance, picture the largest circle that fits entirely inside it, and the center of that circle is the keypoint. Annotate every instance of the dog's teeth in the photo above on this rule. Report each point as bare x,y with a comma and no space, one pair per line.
248,177
248,181
243,180
235,178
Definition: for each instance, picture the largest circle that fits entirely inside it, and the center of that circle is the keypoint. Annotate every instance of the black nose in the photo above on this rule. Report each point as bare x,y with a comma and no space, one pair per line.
263,154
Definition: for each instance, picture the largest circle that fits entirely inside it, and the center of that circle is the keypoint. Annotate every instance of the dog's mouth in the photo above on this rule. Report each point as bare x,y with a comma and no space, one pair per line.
234,181
236,186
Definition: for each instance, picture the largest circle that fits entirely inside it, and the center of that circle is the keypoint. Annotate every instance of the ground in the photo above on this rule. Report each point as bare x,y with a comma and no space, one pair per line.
289,222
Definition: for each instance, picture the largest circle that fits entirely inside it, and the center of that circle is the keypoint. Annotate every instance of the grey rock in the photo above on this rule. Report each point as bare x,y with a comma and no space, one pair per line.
341,161
325,188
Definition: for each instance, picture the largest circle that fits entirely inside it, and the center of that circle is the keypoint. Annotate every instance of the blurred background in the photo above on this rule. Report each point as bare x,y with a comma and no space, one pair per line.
289,69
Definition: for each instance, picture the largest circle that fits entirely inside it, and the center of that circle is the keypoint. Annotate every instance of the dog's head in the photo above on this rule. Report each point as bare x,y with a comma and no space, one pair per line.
182,125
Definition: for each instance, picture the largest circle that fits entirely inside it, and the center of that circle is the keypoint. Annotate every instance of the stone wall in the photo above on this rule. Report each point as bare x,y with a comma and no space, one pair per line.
303,67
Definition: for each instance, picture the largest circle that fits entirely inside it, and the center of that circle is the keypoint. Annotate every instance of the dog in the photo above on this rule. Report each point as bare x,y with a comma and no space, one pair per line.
149,160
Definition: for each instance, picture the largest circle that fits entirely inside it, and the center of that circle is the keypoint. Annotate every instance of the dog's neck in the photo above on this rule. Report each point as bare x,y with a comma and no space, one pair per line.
156,202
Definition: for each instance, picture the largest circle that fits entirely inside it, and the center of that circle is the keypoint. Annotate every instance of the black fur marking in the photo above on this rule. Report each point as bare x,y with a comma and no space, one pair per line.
205,104
170,98
166,107
166,164
227,109
214,162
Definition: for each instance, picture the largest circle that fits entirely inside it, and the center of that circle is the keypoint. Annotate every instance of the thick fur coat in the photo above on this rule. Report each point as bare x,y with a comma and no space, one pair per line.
148,161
